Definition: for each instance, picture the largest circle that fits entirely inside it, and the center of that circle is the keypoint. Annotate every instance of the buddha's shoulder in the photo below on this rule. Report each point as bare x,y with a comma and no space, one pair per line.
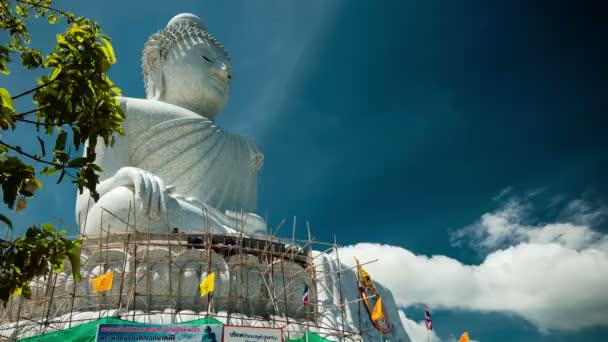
144,115
140,108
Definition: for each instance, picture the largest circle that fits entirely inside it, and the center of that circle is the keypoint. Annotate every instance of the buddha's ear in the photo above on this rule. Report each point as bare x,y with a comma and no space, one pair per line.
156,80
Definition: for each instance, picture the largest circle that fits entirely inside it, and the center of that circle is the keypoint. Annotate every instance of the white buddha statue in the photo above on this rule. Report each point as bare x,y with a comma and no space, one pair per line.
174,167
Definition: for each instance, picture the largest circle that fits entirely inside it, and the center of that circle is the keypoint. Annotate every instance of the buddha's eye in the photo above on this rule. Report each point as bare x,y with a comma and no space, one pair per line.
207,59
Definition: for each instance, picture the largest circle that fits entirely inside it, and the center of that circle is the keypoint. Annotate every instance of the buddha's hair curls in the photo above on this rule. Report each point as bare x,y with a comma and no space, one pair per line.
183,29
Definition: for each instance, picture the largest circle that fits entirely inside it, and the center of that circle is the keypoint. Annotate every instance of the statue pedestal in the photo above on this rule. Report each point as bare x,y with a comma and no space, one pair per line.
157,277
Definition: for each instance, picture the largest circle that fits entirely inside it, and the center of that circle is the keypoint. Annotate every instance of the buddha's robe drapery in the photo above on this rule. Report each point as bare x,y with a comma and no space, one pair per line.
189,152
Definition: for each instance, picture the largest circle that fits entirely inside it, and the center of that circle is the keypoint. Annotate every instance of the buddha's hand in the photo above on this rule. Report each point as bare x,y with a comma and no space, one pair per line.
149,190
253,223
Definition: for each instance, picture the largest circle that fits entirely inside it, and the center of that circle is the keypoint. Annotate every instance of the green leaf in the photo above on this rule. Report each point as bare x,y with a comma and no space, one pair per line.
26,291
58,266
37,182
14,173
55,72
61,176
77,162
108,50
95,167
6,221
47,171
53,18
6,98
31,58
41,146
48,228
60,142
20,10
74,256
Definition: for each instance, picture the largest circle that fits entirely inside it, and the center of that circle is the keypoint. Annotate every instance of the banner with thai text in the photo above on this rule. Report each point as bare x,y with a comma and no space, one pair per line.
160,332
252,334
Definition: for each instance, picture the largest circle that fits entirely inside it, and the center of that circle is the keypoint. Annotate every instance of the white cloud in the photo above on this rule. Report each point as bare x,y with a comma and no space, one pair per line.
507,226
554,275
416,331
504,192
551,286
583,212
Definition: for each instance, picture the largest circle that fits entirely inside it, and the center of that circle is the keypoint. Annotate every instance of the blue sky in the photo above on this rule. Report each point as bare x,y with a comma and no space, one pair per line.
460,131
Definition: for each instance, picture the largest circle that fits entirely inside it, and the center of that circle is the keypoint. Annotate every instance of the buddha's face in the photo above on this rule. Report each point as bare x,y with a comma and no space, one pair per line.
197,77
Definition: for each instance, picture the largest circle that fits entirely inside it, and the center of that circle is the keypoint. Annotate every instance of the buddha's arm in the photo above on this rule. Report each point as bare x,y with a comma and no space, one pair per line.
84,201
149,192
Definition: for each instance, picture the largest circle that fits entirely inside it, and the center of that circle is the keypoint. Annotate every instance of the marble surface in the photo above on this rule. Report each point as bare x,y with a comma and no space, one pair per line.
174,167
168,292
175,170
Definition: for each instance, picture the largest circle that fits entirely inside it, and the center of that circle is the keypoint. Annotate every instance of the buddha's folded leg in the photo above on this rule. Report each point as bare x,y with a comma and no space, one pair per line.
115,213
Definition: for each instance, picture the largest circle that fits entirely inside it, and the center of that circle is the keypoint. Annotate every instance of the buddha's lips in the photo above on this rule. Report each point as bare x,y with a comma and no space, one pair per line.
220,84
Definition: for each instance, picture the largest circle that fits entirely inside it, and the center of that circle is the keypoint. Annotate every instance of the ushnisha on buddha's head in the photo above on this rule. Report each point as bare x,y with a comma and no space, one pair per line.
184,65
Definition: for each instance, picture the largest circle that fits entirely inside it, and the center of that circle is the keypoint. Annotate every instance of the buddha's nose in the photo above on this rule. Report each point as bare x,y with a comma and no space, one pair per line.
220,69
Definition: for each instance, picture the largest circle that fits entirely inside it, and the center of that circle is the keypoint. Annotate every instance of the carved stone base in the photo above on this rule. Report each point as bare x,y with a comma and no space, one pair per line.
158,277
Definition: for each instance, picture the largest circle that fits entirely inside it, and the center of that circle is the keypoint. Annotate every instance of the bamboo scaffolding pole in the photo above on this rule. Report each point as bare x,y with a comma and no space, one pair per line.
50,288
75,287
312,291
208,246
176,271
339,282
272,252
286,314
124,264
134,285
172,301
241,260
18,315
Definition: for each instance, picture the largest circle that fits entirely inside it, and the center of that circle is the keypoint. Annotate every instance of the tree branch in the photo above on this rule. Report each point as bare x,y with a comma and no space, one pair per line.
46,7
32,90
45,124
8,11
32,122
31,156
21,115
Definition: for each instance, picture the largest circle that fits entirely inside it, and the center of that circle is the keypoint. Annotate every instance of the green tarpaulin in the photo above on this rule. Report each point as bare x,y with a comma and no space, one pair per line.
80,333
86,332
312,337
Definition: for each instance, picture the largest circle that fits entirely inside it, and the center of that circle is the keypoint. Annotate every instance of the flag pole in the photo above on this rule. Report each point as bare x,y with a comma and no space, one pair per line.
428,337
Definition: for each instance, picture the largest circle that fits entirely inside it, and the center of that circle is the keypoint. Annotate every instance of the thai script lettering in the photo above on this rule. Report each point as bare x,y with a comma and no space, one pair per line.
138,338
255,337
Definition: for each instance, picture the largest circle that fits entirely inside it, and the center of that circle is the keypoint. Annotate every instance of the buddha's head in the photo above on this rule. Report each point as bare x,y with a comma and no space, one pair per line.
185,66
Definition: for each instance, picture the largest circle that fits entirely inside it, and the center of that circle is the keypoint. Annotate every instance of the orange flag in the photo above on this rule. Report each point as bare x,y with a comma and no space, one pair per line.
378,315
103,282
464,337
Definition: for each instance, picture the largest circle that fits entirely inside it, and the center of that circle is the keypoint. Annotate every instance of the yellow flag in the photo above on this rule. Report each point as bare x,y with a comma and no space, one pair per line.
17,292
378,315
364,277
103,282
208,284
464,337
